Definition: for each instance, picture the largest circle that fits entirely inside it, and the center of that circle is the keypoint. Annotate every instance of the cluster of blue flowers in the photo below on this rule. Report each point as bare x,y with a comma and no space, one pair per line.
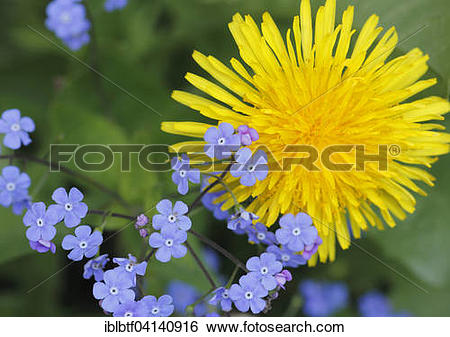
116,296
68,20
297,239
290,246
117,288
69,208
264,278
114,288
13,183
266,275
224,140
294,243
172,224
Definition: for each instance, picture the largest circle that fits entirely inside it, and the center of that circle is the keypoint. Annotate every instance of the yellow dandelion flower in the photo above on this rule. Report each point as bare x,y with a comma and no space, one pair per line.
314,90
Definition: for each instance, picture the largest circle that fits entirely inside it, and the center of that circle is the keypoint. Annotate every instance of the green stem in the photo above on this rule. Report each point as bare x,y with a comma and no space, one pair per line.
102,226
220,180
233,275
114,215
40,184
190,308
219,249
201,265
70,172
202,238
207,189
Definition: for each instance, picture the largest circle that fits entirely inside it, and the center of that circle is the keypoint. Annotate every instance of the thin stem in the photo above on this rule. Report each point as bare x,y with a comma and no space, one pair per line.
105,215
149,255
201,265
206,190
220,249
115,215
70,172
202,238
140,279
233,275
236,202
139,287
40,184
200,299
220,181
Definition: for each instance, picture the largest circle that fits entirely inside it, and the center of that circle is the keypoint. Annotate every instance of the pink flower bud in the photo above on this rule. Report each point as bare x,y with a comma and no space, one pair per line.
283,277
141,220
143,232
247,135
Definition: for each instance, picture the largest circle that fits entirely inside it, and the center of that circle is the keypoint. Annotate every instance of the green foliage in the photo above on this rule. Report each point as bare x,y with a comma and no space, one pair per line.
144,52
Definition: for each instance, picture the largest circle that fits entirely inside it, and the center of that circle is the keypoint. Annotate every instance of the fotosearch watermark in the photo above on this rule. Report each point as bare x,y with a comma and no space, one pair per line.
157,157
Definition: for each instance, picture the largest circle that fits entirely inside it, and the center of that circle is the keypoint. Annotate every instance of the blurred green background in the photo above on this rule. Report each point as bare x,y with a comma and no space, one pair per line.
146,49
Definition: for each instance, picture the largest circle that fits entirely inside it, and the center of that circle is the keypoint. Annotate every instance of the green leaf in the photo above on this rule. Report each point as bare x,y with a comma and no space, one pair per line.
12,236
77,117
434,303
421,241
